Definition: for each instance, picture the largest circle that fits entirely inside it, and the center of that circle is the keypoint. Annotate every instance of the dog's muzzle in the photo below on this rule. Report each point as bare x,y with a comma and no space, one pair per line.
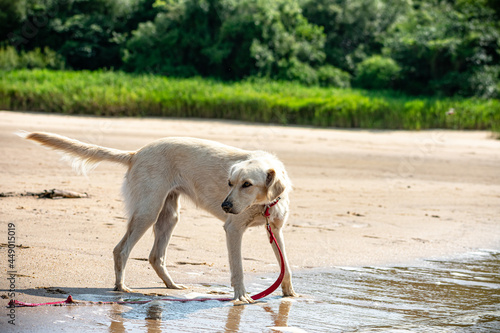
227,206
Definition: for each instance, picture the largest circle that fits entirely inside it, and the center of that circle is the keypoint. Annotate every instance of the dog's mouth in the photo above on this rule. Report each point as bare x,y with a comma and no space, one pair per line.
230,211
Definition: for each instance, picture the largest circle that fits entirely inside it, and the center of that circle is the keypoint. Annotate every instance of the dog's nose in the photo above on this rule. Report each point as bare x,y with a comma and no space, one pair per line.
226,206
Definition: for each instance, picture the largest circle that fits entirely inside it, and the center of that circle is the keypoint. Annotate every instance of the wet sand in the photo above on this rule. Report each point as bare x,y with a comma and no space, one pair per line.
360,198
458,295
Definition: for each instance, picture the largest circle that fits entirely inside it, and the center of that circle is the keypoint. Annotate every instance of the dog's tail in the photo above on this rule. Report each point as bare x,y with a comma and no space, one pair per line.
84,156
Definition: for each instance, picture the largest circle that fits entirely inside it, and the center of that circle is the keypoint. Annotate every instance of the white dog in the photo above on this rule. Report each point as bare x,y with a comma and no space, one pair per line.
233,184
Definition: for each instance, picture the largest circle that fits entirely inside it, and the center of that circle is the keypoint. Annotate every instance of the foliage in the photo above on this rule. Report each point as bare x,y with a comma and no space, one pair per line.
377,72
228,39
10,59
288,46
442,47
329,76
353,28
88,33
117,94
12,14
446,48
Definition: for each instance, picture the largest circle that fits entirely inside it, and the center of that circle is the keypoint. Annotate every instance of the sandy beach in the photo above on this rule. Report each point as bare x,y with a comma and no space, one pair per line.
360,198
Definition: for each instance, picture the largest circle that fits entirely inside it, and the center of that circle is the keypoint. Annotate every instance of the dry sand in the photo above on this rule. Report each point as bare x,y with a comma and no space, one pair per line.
361,198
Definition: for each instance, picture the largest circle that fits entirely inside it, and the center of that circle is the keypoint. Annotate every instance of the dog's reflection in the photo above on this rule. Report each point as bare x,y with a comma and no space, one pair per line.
153,322
279,318
153,318
154,312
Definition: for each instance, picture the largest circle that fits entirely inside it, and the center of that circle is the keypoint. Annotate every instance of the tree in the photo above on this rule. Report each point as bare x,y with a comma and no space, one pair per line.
176,42
447,48
353,28
12,14
87,33
228,39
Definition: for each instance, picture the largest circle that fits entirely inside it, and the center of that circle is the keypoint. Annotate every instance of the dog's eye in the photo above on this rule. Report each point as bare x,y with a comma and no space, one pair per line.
230,184
246,184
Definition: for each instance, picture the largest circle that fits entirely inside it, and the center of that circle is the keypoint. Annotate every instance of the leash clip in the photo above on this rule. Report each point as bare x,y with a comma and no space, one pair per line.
269,231
268,206
266,214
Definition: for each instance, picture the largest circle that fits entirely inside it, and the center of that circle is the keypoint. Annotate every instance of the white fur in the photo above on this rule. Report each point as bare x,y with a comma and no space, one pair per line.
163,170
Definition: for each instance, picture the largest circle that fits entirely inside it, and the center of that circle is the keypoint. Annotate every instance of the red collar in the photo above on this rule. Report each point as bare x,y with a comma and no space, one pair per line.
268,206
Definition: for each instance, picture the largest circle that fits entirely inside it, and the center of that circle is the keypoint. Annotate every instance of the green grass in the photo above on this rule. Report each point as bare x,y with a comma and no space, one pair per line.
121,94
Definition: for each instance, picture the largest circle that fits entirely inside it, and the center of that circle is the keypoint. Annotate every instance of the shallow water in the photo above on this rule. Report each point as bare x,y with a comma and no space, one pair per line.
459,295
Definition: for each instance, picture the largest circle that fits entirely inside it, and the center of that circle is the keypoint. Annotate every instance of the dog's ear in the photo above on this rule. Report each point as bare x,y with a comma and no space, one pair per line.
275,185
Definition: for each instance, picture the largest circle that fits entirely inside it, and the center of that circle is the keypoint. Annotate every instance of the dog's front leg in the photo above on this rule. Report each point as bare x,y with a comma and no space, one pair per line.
234,235
286,285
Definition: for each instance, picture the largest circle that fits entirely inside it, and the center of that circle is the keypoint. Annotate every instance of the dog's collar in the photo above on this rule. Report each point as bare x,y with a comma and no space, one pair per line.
268,206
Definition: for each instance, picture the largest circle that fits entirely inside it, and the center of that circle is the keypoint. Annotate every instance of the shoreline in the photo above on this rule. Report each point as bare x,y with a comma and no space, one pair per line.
220,289
360,198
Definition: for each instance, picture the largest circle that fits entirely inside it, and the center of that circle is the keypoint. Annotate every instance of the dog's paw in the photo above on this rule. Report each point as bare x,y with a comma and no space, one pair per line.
245,299
241,297
289,292
176,286
123,289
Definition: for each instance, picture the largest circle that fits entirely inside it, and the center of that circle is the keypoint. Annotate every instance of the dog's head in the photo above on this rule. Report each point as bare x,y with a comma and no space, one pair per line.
254,182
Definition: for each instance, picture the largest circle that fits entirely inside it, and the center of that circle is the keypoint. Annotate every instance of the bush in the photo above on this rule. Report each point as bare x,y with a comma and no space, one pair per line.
447,48
295,70
329,76
88,33
10,59
228,39
377,72
483,82
353,28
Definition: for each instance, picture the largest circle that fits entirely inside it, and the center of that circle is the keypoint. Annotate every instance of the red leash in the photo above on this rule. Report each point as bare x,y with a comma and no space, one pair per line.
271,289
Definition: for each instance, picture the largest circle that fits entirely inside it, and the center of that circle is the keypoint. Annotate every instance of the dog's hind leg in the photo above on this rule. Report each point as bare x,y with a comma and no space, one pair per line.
163,228
142,218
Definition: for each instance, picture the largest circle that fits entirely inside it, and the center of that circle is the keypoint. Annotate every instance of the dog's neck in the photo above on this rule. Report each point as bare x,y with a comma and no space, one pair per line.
269,206
278,208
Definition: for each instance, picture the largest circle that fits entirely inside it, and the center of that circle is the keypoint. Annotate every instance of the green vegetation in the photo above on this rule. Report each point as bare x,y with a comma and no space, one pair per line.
117,93
281,61
377,72
11,59
419,47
